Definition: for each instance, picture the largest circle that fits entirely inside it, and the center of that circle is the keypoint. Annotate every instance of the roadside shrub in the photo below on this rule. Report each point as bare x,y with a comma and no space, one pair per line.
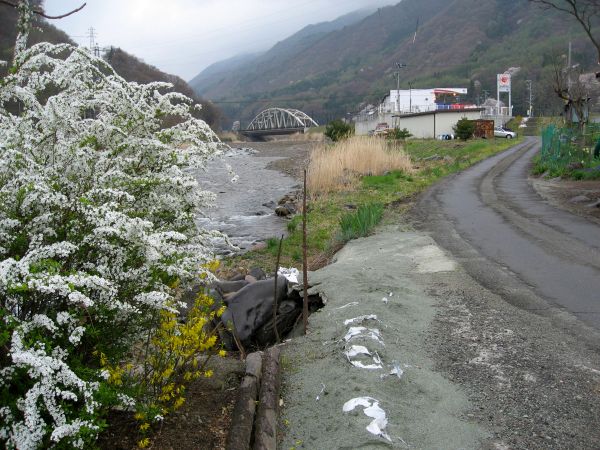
464,129
338,130
399,134
338,167
97,228
361,222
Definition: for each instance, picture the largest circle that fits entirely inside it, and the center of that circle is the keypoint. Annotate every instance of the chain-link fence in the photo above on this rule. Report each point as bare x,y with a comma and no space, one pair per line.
562,146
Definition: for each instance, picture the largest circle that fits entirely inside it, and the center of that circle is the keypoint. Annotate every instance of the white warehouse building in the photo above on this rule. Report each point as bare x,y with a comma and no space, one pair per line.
425,113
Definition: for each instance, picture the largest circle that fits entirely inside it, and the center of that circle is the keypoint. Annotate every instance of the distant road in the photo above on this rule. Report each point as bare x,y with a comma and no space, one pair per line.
537,257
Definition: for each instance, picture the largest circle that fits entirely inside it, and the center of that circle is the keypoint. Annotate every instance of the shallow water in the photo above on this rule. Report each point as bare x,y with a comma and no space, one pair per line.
239,208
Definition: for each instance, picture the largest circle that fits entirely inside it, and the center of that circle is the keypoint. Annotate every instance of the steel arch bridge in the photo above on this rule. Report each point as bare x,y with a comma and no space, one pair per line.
279,121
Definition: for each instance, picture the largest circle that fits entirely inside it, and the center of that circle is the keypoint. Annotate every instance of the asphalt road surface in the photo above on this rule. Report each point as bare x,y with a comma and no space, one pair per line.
536,256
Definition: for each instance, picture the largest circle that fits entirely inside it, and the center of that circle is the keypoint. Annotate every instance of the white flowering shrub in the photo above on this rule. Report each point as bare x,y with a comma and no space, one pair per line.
96,226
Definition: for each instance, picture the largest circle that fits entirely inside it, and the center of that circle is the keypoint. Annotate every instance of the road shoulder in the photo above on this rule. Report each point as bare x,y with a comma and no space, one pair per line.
478,372
380,275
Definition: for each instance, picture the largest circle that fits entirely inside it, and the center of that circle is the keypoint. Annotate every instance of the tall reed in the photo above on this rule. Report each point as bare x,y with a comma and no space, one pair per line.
339,166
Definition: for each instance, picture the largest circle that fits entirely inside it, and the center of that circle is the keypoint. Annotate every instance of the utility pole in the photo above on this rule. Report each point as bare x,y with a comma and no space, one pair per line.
530,90
410,97
569,65
399,66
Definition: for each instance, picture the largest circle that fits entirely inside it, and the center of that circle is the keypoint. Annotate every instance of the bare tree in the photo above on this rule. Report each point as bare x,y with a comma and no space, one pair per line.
568,86
586,12
39,12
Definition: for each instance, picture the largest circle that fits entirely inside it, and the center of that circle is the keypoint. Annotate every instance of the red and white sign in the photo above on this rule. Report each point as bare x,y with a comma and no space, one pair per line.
504,82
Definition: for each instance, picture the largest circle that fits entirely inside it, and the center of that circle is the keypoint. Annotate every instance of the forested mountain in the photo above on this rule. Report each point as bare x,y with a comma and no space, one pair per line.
126,65
215,75
461,43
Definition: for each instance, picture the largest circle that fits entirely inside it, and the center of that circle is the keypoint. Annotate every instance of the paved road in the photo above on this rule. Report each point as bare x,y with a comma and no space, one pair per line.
536,256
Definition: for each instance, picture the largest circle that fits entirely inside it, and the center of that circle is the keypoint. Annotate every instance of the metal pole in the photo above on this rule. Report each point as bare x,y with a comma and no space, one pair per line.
410,97
530,89
498,112
398,91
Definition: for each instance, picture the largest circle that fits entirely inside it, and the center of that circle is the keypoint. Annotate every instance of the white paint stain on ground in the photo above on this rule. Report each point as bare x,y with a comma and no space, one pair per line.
372,410
364,332
360,319
360,351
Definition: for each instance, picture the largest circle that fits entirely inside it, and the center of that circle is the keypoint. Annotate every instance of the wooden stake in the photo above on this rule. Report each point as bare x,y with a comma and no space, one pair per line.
304,258
275,305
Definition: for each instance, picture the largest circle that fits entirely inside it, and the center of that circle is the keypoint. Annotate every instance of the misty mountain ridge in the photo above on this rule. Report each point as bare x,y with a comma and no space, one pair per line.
299,41
464,43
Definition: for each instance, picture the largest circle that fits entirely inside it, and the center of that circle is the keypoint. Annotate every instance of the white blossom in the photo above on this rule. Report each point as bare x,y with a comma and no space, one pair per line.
97,208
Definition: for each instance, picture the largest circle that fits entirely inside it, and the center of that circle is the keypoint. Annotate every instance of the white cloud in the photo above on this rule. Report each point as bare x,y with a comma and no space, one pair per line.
185,36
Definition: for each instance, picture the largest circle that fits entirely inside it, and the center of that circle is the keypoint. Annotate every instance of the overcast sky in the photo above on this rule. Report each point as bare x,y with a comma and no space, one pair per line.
185,36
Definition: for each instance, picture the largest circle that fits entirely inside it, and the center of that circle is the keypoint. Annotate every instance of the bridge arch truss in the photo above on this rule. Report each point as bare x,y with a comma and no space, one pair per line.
281,119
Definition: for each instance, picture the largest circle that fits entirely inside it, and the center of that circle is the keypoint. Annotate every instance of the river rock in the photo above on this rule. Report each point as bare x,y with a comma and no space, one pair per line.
284,210
251,307
288,198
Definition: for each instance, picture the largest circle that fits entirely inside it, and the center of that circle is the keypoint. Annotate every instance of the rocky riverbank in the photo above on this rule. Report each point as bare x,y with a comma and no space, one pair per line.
250,209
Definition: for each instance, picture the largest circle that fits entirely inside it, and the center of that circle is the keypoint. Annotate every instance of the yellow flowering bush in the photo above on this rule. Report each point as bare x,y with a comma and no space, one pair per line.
173,355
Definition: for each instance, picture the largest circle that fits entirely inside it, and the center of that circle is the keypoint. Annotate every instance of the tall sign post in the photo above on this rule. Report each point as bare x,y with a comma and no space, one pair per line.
504,85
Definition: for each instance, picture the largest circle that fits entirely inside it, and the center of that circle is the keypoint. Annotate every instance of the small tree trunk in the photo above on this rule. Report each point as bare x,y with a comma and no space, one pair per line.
304,260
23,28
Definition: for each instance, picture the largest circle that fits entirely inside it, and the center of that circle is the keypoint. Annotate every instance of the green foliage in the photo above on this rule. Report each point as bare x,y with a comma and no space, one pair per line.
464,129
338,130
361,222
389,179
293,224
399,134
568,152
272,244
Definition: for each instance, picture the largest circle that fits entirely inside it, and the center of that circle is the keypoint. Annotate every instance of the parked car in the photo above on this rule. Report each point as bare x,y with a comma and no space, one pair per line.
445,137
504,133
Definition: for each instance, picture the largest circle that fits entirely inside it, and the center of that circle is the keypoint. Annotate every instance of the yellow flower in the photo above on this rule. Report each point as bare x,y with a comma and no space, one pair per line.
144,426
222,353
144,443
178,403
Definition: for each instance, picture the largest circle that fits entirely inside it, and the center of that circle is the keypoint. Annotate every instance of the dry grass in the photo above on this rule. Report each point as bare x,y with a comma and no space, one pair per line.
339,167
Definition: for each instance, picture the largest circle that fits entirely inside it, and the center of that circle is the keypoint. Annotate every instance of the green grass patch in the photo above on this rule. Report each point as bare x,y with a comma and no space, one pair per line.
361,222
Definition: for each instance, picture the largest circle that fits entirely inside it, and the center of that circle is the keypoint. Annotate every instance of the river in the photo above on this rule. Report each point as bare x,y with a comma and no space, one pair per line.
240,210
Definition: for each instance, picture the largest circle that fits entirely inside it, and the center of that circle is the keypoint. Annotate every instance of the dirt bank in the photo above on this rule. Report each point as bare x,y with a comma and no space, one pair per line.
578,197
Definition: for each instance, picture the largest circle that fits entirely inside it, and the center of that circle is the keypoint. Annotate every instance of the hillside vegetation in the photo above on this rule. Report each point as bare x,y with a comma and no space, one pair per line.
333,73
